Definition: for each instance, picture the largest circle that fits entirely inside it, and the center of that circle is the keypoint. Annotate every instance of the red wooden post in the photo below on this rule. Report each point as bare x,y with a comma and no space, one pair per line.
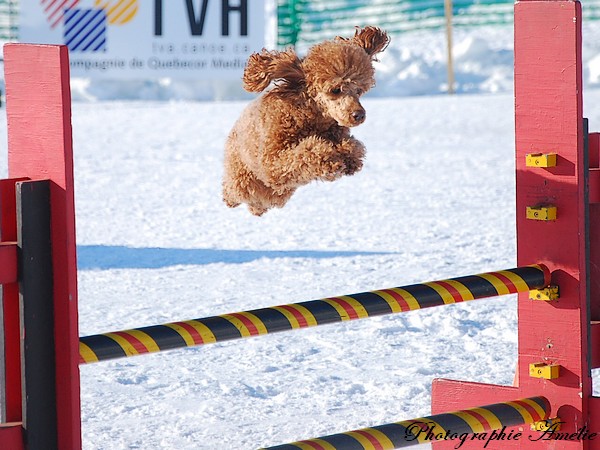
8,262
548,119
40,147
10,312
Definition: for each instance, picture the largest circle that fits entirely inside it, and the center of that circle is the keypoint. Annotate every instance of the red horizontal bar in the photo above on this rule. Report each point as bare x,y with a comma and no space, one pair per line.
8,262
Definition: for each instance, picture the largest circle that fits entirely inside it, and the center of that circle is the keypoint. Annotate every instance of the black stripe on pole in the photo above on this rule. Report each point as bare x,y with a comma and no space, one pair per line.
397,433
373,303
105,347
166,338
221,328
274,320
324,313
36,301
484,287
426,296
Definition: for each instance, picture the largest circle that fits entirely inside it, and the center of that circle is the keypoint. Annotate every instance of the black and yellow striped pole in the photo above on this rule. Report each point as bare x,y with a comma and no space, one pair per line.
458,426
120,344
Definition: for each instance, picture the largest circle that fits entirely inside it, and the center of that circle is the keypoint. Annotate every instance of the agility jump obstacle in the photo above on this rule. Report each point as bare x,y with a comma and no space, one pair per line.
190,333
457,427
557,208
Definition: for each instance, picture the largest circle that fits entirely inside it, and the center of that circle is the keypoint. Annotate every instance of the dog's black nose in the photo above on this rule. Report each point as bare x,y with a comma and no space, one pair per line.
359,115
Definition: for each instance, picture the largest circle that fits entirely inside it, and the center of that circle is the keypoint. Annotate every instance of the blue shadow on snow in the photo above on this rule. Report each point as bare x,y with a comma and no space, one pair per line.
105,257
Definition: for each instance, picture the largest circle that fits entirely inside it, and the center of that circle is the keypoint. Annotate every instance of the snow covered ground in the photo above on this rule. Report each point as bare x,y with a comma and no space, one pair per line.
156,244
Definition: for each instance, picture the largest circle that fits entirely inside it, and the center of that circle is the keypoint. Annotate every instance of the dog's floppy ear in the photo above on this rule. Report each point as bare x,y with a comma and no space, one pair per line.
282,67
374,40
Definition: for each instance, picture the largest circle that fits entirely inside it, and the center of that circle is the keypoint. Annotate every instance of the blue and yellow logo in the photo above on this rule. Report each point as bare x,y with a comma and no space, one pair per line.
84,29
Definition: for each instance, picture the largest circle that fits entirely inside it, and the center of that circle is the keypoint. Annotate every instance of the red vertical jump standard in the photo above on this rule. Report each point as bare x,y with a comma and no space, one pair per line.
38,110
552,216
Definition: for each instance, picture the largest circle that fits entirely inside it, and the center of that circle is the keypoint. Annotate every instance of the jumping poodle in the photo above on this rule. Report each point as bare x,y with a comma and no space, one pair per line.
298,131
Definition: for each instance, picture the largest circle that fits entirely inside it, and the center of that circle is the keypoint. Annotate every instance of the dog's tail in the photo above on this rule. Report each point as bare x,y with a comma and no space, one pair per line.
284,68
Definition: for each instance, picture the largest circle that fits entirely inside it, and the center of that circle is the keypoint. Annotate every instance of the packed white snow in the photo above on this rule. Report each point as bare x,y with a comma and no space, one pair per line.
156,244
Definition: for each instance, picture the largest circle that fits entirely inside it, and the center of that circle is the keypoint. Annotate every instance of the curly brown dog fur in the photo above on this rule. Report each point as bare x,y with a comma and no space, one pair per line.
298,131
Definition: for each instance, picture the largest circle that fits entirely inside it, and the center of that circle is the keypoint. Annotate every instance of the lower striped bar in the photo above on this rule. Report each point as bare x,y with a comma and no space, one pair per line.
480,423
157,338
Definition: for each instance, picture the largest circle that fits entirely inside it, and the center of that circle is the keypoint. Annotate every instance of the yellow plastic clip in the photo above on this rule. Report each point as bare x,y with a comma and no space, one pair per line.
545,213
541,160
546,295
547,424
543,370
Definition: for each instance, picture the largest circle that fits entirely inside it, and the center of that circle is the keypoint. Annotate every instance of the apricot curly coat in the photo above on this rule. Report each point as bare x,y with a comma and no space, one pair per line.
298,131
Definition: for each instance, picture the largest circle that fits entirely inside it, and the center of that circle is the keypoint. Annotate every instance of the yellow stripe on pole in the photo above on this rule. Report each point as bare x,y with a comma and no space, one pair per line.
358,306
442,291
181,331
362,440
148,342
491,418
344,314
408,298
527,418
205,333
516,280
464,291
339,308
241,326
473,422
501,288
383,441
308,316
260,326
123,343
389,298
87,353
381,437
535,405
288,315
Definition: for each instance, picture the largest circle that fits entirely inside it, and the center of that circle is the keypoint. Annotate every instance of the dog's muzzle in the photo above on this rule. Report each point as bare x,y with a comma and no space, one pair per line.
358,116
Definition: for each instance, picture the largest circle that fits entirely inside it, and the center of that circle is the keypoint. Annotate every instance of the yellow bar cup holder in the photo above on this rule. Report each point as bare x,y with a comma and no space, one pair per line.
547,294
541,160
543,213
543,370
547,424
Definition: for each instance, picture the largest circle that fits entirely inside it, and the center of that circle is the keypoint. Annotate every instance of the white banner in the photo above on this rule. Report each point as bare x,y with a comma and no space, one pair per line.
137,39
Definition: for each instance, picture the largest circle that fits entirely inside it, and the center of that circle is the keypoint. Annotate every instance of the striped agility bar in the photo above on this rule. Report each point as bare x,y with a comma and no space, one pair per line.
457,427
121,344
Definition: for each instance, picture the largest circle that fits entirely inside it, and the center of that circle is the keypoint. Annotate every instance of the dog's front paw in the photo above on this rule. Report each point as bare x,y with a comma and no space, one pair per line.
353,165
352,152
332,169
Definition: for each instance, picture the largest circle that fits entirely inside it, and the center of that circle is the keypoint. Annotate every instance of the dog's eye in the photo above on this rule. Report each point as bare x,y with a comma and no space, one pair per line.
336,91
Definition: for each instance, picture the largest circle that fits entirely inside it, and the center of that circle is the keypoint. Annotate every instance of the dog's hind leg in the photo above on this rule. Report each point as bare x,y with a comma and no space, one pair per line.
237,181
240,185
